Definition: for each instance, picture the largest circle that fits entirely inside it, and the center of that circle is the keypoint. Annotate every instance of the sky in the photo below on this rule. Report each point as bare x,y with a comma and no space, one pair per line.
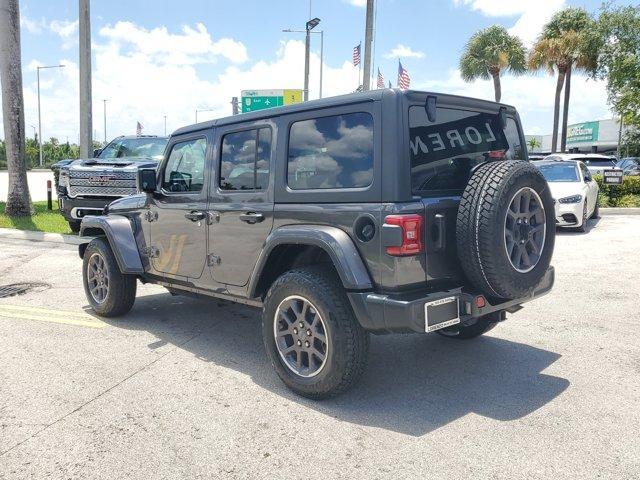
152,59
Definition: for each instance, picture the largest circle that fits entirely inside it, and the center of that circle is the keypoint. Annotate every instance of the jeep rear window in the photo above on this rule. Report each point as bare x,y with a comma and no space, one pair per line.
444,152
331,152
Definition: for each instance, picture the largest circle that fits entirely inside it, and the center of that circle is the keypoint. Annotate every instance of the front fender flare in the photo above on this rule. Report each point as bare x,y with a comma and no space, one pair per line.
338,245
119,233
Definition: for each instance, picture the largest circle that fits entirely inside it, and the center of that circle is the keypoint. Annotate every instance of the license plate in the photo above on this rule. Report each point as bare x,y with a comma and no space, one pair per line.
441,313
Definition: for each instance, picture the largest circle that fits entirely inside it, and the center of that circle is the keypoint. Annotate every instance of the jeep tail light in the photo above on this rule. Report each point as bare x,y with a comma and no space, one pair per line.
411,227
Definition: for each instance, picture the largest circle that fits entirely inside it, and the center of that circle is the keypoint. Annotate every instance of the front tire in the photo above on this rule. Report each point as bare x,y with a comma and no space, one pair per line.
583,226
596,210
109,292
311,336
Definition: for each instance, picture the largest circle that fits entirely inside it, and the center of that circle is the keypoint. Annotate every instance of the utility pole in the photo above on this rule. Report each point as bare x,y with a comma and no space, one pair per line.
234,106
165,125
104,113
311,24
86,141
368,39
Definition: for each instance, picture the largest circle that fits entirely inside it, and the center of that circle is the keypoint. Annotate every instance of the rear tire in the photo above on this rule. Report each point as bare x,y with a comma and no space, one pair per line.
483,325
346,343
109,292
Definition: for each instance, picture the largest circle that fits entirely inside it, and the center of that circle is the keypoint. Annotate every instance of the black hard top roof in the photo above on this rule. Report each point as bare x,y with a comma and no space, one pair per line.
340,100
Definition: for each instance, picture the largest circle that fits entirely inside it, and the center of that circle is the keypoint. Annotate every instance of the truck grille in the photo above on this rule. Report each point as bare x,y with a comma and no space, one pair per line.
102,183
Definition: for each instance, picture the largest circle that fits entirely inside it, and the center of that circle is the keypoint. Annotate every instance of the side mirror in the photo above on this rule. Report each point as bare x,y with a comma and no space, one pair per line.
96,152
587,179
147,180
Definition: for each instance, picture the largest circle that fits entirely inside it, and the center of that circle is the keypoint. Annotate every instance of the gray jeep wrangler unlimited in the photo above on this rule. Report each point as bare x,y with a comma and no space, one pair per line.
384,211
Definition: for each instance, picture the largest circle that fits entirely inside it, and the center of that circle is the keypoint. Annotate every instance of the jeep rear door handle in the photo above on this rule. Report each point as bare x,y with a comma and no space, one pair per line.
195,216
252,217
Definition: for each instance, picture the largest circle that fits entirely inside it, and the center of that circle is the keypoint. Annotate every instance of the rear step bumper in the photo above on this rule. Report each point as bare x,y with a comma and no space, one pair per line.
406,313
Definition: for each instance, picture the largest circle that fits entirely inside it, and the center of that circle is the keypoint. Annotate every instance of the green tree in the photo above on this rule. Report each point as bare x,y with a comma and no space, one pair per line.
566,44
490,52
618,34
533,143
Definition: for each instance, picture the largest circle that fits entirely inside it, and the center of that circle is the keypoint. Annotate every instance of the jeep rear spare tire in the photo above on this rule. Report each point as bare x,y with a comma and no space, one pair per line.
506,229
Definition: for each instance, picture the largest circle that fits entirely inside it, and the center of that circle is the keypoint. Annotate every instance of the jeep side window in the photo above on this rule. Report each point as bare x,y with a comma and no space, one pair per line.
184,171
443,153
242,165
331,152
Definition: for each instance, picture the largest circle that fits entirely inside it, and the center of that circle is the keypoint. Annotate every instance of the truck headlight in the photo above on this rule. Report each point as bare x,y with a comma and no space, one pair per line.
63,179
571,199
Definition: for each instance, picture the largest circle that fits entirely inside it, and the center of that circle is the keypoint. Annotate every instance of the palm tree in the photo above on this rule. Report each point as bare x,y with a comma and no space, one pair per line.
488,53
18,198
566,44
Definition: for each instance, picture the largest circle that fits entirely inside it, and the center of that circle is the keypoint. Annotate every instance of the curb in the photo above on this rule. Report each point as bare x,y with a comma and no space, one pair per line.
619,211
33,236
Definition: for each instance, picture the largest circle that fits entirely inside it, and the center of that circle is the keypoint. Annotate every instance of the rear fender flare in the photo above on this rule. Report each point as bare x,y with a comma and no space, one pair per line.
338,245
121,238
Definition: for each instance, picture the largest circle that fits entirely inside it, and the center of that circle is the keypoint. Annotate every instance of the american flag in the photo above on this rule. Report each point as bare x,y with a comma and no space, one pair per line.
356,55
404,81
139,128
380,80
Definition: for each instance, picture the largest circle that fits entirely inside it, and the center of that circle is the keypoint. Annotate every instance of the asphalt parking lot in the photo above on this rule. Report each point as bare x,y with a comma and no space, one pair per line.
181,388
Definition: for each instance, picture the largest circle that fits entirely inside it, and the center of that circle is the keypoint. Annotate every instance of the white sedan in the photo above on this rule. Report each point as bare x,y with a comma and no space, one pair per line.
574,191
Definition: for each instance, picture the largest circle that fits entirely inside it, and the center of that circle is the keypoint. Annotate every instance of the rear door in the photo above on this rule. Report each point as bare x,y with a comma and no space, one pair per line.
443,155
241,201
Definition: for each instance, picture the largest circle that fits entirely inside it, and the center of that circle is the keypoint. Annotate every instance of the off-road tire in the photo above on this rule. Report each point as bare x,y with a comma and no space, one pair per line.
462,332
122,288
74,226
349,342
480,229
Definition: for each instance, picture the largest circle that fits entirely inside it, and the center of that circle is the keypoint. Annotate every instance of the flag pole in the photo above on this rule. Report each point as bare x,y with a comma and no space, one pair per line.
360,64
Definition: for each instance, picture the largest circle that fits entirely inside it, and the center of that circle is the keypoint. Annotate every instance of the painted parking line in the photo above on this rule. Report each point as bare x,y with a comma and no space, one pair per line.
52,316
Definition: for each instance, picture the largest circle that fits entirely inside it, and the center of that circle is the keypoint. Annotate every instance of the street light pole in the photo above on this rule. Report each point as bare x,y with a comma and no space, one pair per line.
310,25
104,113
39,114
321,33
165,125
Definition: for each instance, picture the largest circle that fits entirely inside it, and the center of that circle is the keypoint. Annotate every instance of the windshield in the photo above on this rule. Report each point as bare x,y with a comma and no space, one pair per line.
444,152
151,147
590,162
559,172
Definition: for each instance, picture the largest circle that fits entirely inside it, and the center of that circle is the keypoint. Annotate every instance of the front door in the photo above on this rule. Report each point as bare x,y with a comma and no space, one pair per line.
177,212
241,202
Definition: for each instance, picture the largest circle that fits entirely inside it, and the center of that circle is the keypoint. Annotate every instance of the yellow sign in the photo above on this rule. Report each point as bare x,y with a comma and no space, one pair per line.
292,96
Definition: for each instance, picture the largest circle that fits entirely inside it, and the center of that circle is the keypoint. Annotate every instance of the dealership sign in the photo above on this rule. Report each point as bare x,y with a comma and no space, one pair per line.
253,100
583,132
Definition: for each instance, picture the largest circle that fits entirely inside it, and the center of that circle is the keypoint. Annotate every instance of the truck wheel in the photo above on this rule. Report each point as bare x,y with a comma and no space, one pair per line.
505,229
74,226
313,340
483,325
109,292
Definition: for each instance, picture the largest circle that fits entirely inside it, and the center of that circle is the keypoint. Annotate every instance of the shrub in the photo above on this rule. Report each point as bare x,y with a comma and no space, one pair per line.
628,201
603,200
613,195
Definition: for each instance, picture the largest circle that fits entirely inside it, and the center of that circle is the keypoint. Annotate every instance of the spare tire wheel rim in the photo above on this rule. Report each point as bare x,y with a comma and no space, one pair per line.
301,336
525,230
98,278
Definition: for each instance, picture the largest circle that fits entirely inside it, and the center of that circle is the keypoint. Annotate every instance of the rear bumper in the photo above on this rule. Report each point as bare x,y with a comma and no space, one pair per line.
75,209
406,313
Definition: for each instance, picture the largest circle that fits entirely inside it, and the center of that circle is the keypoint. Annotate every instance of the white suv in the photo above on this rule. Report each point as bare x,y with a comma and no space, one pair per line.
595,162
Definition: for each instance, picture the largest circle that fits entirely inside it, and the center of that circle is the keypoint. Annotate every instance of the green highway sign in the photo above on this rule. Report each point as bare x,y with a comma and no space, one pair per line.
253,100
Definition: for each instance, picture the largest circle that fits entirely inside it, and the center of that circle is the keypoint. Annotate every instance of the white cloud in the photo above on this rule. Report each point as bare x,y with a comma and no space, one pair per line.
532,14
357,3
34,27
402,51
191,46
64,28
